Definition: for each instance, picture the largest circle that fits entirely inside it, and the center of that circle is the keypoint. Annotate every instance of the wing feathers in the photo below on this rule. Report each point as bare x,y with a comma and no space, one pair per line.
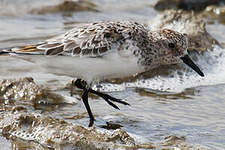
49,46
89,40
54,51
28,49
76,51
69,46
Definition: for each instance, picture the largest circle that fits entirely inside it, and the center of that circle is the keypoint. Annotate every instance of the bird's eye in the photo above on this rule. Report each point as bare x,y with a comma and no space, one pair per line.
107,35
171,45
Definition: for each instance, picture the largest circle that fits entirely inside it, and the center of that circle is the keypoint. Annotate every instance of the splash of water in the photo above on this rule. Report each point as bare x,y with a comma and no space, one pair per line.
212,64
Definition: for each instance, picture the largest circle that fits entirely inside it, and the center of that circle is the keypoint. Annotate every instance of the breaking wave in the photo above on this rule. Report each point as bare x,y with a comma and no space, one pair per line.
211,63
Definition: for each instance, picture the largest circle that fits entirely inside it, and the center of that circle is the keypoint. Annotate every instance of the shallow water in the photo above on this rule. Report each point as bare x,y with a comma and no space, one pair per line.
181,103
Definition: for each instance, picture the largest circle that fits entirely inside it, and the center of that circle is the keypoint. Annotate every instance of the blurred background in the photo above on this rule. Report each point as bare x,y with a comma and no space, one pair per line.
41,19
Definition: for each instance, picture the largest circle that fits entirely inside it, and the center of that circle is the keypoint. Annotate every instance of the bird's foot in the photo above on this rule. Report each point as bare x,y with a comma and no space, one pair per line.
81,84
109,99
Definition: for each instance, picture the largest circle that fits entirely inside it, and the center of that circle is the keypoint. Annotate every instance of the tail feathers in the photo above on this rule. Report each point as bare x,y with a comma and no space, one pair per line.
40,49
28,49
2,51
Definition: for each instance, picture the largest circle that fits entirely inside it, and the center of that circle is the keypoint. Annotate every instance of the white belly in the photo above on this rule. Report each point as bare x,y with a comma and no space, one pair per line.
89,69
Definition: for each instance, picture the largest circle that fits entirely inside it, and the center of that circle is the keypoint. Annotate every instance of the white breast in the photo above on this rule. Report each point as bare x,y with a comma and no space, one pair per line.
111,65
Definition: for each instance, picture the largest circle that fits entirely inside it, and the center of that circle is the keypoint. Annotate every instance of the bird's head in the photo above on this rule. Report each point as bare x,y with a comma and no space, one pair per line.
170,47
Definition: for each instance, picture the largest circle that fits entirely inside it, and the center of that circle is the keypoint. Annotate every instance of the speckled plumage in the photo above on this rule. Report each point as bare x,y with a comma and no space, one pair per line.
109,50
126,38
137,49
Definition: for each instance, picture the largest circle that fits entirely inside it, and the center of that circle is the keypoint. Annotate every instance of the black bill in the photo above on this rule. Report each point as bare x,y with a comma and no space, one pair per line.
187,60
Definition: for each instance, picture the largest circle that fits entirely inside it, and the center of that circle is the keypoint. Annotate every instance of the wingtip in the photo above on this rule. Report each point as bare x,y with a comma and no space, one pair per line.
2,51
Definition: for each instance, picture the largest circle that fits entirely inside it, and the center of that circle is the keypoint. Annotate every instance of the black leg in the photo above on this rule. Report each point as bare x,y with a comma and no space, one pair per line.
86,104
72,88
82,85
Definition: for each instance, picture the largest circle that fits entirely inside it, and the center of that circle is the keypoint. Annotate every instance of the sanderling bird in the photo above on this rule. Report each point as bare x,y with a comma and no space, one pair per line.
103,50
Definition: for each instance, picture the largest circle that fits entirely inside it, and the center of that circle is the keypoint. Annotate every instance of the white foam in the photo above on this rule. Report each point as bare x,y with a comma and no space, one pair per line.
211,63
